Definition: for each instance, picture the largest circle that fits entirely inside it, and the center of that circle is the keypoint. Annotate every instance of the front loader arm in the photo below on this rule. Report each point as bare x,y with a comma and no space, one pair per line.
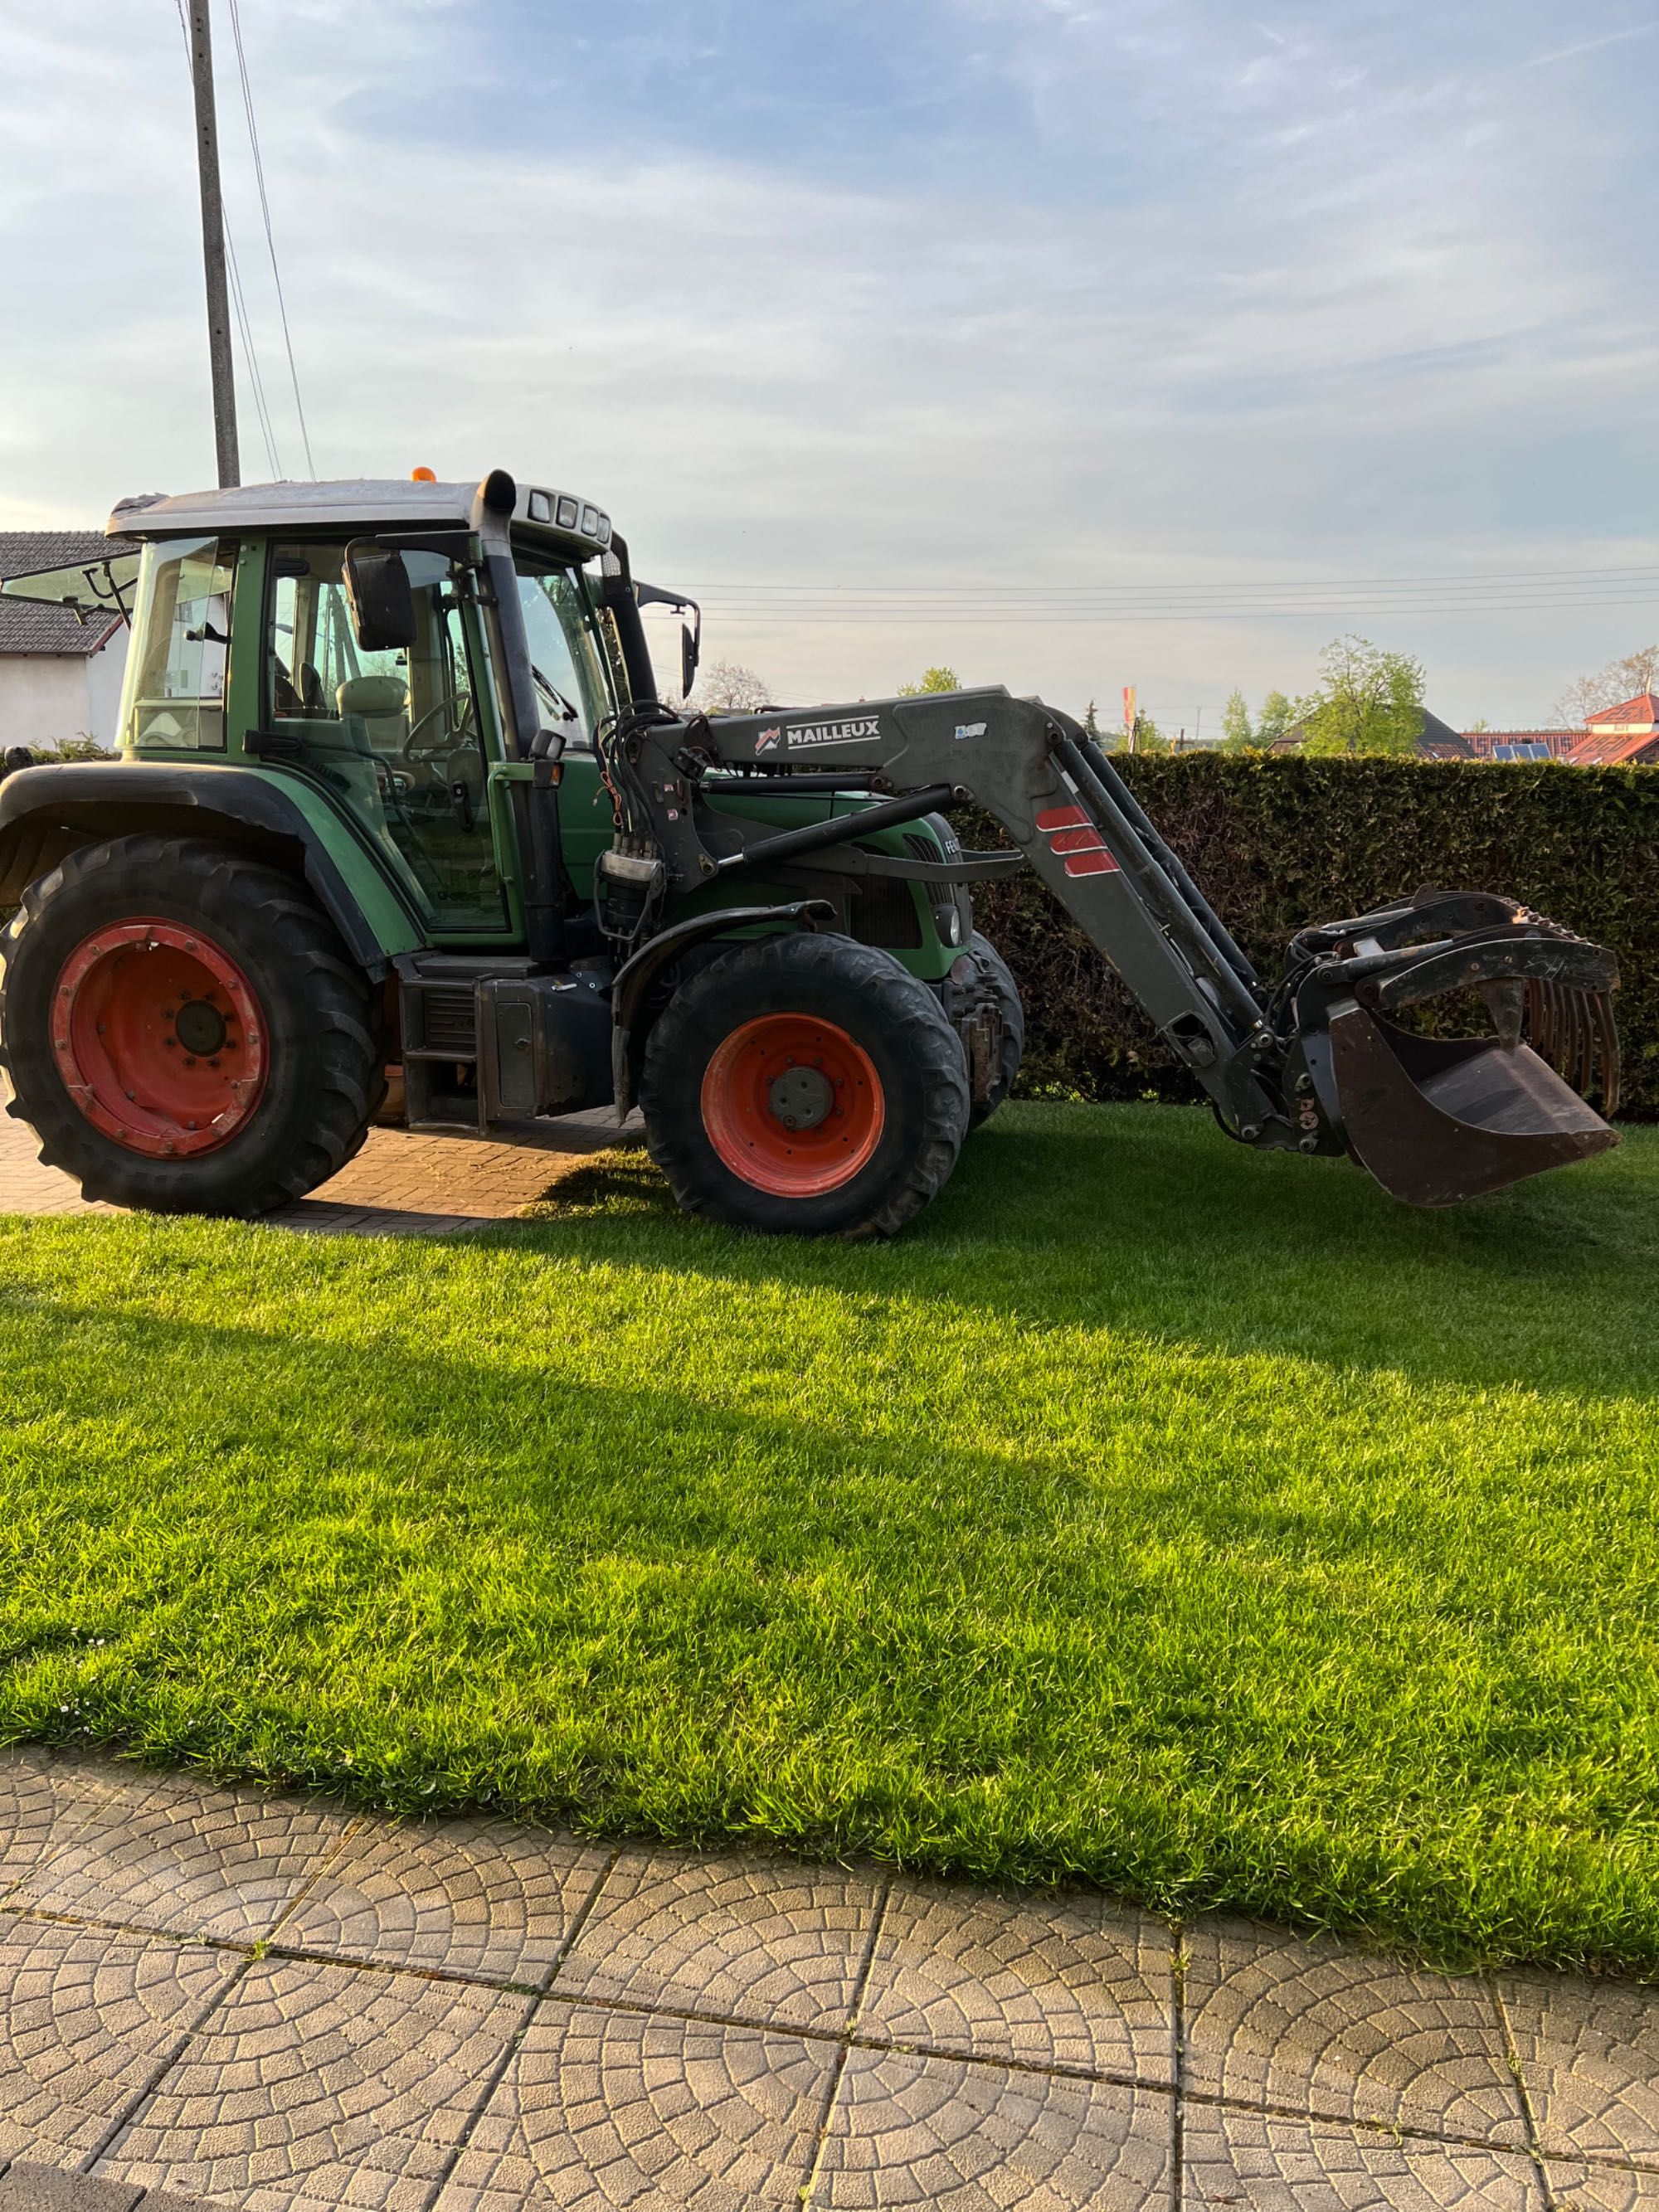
1320,1063
1056,796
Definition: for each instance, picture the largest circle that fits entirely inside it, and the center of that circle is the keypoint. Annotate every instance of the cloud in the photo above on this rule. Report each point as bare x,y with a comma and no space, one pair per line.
1590,45
1212,299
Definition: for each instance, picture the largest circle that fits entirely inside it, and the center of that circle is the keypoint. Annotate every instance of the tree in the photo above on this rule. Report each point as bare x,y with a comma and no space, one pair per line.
1369,700
1091,725
1276,717
933,679
1611,686
1235,723
726,688
1146,737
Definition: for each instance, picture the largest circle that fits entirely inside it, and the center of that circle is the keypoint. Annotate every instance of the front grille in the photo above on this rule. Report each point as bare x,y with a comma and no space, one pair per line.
885,913
944,899
448,1023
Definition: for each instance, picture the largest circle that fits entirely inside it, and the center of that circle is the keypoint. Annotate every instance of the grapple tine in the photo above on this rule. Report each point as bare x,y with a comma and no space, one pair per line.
1608,1031
1549,1047
1534,1013
1587,1033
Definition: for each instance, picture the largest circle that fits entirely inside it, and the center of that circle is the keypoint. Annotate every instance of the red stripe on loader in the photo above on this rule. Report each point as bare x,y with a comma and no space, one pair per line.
1078,841
1061,818
1098,862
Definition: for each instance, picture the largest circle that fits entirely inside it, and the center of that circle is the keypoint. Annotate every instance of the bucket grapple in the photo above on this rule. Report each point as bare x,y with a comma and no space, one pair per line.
1345,1053
1436,1119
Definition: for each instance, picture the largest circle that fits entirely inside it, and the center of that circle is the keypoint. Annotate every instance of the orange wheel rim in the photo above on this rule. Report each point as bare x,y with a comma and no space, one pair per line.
159,1037
793,1106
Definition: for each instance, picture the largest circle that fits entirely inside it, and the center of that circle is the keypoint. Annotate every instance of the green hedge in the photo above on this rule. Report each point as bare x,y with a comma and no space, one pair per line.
1277,841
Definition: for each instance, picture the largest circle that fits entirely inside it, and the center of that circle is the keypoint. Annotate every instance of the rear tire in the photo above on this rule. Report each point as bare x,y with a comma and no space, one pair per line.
806,1085
259,1086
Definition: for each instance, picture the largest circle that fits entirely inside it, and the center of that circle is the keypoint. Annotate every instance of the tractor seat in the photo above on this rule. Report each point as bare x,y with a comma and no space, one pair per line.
377,702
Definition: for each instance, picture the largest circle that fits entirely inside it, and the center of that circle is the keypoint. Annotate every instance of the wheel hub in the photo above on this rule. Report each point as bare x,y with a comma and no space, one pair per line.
200,1027
159,1037
792,1105
801,1097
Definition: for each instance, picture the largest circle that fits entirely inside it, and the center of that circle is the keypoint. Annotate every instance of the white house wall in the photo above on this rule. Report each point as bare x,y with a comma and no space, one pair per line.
105,672
47,697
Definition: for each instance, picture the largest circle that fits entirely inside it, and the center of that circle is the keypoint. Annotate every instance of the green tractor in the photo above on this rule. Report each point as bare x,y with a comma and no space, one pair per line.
398,805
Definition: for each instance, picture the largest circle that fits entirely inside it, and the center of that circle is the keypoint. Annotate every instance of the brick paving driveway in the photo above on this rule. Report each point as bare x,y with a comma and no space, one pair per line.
240,1999
399,1185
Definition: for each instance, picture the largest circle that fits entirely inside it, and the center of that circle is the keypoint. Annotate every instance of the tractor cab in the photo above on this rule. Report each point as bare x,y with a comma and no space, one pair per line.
407,647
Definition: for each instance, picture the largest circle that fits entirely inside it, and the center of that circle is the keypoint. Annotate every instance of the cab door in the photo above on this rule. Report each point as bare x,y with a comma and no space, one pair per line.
405,735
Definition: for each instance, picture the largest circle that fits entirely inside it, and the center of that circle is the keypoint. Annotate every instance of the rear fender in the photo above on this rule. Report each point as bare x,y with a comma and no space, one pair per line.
46,812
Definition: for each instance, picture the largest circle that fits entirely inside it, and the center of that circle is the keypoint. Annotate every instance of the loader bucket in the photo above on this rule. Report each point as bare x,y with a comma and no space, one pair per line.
1439,1119
1435,1118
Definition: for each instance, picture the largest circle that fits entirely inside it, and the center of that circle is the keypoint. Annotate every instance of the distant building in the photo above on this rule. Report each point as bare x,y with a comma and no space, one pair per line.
1521,744
1439,741
60,677
1625,735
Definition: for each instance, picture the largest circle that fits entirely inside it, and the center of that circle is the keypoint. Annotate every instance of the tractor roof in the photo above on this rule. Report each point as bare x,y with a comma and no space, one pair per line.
352,502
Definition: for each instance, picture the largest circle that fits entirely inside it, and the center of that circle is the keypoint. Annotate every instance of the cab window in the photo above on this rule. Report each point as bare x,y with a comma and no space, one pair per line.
572,690
174,694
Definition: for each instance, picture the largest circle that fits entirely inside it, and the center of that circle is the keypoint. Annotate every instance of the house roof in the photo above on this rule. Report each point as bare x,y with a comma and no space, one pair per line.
1437,740
1644,708
1613,749
34,627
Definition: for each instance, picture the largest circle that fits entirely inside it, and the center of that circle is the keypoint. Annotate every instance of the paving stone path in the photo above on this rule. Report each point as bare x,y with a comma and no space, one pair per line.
236,1998
399,1184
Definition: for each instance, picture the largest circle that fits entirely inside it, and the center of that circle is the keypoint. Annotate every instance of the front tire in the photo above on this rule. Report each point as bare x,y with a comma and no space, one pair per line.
184,1029
992,1030
806,1086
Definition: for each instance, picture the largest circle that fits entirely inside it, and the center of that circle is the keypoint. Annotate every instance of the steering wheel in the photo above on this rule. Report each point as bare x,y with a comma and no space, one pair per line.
459,728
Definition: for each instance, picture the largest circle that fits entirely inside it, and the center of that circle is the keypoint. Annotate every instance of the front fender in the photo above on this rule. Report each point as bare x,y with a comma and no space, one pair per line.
634,979
46,811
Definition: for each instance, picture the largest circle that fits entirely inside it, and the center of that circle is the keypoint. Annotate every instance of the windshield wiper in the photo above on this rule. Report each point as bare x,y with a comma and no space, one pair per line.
553,692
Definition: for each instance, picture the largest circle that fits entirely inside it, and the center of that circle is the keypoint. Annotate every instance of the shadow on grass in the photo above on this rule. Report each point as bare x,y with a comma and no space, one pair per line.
1147,1218
431,1576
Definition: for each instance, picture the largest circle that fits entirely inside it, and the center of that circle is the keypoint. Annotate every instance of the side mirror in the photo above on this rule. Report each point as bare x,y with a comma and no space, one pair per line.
380,597
689,651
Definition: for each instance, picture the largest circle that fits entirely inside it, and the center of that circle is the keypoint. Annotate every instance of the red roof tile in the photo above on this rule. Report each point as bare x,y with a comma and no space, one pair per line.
1606,749
1644,708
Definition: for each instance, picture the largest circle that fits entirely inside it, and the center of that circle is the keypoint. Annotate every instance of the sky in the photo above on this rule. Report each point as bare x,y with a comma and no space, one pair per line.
1070,343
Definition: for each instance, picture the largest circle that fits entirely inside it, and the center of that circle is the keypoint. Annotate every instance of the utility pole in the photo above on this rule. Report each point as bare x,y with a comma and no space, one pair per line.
213,245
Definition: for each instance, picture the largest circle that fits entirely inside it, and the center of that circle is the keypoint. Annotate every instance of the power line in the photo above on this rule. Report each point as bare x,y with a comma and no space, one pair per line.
256,382
1512,591
979,617
1001,589
270,241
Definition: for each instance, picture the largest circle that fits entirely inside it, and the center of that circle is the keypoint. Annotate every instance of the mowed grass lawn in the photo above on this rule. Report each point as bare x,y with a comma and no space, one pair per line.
1200,1524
